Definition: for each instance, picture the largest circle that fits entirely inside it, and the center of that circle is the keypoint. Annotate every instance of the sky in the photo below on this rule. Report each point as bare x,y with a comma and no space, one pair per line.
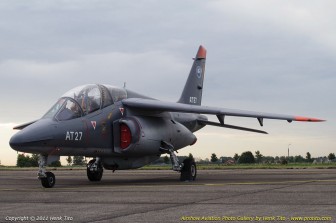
269,56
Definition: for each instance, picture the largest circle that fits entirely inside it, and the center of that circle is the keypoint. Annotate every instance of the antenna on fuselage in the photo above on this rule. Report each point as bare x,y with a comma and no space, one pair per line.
124,85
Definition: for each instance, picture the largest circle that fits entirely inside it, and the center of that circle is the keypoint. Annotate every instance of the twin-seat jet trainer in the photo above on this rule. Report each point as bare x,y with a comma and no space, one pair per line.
121,129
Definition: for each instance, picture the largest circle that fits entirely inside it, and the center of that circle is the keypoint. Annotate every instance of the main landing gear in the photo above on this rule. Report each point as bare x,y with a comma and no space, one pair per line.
48,179
187,168
94,170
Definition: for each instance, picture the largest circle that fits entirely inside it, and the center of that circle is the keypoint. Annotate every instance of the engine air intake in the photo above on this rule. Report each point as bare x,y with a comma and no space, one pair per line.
125,136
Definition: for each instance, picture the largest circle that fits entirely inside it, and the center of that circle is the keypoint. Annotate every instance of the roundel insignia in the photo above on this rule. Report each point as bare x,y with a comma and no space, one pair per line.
199,71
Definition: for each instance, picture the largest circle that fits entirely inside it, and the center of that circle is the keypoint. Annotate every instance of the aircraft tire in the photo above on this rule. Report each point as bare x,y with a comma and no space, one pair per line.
189,170
94,175
48,181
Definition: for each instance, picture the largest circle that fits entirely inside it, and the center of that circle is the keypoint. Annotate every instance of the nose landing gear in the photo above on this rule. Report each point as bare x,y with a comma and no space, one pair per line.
94,170
48,179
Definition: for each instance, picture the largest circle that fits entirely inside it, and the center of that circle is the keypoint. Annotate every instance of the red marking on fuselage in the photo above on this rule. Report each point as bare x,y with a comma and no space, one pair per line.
121,111
94,124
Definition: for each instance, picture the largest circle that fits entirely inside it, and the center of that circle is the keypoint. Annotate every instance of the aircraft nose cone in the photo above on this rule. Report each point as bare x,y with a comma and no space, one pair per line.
36,135
16,141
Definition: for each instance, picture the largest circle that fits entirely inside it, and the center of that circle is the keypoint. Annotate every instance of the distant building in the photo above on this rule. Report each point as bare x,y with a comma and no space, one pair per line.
320,160
224,159
230,162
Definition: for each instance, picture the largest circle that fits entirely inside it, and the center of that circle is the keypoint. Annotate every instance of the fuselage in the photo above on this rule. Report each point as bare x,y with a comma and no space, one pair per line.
83,122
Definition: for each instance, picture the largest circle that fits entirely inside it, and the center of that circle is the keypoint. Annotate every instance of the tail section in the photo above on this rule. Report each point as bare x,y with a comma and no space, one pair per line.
192,92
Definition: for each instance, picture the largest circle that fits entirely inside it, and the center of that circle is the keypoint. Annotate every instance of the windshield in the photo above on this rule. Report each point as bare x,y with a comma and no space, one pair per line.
83,100
54,109
64,109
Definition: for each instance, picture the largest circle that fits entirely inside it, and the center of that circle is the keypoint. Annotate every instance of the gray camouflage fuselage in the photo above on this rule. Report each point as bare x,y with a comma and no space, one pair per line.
125,129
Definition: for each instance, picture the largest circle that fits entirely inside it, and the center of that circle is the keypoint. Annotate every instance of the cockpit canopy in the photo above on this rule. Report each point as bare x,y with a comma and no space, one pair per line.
84,100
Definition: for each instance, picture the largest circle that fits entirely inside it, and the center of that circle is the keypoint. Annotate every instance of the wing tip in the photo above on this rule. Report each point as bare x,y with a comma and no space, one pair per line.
307,119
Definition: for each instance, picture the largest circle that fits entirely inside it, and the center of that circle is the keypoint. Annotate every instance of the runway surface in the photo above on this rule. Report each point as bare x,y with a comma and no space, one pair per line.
158,196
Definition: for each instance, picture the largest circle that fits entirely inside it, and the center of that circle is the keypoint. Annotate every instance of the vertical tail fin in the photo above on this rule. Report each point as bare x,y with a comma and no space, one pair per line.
192,92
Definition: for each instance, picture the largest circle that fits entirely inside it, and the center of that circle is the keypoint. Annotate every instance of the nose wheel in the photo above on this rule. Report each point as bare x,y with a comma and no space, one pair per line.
48,181
94,170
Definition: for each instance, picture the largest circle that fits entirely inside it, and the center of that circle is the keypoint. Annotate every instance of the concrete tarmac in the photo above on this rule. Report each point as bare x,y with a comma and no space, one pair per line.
159,196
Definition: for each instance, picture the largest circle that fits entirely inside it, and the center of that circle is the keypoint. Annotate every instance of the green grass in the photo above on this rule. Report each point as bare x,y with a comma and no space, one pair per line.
249,166
15,168
199,166
269,166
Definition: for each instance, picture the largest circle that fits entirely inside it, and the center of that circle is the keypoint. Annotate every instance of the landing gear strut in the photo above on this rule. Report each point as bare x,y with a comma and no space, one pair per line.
48,179
187,168
94,170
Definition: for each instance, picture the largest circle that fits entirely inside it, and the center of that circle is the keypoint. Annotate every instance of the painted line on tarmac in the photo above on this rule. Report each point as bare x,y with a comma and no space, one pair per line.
270,182
59,189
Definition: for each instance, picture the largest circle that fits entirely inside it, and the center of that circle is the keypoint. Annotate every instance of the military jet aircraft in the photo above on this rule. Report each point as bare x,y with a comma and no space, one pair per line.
121,129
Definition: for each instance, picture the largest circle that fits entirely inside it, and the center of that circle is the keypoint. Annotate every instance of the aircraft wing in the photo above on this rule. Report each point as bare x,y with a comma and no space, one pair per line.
155,105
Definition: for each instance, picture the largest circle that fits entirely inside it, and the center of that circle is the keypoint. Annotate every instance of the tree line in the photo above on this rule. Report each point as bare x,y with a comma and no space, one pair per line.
248,157
24,160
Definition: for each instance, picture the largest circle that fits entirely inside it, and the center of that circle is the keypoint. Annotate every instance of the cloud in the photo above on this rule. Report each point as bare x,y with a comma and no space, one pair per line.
8,125
149,72
306,18
7,155
36,70
109,68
